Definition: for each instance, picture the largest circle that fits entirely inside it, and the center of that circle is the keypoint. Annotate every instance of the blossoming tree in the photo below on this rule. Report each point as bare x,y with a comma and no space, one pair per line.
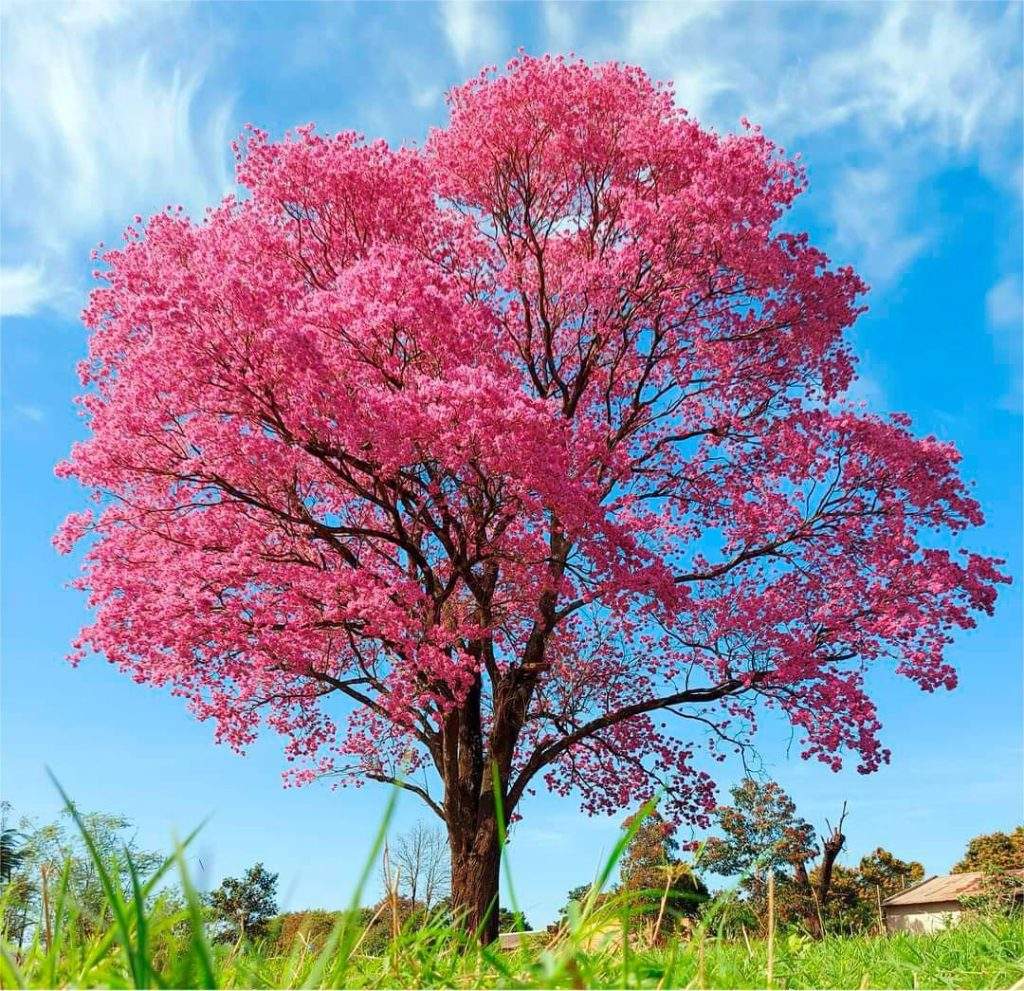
521,456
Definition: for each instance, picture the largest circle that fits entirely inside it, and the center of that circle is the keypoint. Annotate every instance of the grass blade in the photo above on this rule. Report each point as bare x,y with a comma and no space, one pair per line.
197,932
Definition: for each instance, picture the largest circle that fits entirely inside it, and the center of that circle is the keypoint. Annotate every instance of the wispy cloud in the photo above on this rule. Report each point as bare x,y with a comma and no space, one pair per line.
28,412
916,87
474,31
103,118
652,26
1004,308
23,290
866,388
1003,303
868,214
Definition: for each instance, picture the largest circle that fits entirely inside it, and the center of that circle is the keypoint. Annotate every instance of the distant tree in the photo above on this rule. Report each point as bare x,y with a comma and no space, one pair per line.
17,890
242,907
760,831
46,850
12,852
885,870
852,905
379,920
729,917
854,893
577,895
763,834
993,852
418,864
314,926
650,866
511,922
649,852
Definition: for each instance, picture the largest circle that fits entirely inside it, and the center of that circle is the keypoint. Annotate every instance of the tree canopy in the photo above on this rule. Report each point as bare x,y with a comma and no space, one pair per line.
526,449
993,852
242,907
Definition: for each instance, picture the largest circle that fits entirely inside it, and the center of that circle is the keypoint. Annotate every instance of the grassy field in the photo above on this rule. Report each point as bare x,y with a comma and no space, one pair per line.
148,941
985,953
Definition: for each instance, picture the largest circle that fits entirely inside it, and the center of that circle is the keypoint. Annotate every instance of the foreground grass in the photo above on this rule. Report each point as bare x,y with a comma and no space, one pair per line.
145,941
984,953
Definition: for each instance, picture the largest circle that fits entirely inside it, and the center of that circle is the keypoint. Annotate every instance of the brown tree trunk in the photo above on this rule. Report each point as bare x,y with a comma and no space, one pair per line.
807,899
476,859
831,847
815,895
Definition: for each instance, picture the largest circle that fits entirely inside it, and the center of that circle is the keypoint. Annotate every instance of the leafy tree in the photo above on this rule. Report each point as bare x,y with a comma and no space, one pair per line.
650,867
500,454
994,852
47,850
763,834
12,853
761,831
730,917
511,922
857,893
649,852
312,925
577,895
885,871
650,873
244,906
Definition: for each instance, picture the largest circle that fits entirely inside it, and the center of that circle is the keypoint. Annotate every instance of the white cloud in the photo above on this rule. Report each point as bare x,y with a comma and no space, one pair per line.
426,96
915,88
87,15
867,389
1004,307
652,25
23,290
473,31
32,413
103,118
940,68
1003,304
868,208
560,19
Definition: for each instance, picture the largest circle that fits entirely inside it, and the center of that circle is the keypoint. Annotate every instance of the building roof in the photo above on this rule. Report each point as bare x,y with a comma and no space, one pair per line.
513,940
942,888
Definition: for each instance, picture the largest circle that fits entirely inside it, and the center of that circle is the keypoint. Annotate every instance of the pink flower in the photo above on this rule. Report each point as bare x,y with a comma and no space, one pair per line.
512,447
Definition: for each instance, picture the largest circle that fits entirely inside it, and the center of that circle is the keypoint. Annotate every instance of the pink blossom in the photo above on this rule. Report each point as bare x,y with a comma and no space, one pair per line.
515,447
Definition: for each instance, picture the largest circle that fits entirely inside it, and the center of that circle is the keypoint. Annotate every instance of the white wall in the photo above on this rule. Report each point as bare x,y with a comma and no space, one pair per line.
922,918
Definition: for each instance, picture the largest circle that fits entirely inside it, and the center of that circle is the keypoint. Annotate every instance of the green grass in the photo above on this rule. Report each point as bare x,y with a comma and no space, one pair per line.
142,942
987,953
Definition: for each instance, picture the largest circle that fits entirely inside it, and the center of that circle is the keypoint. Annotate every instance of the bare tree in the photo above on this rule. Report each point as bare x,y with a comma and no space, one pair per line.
418,866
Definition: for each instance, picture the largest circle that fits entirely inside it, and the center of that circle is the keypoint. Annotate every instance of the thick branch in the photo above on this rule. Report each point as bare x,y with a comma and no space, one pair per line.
547,754
415,789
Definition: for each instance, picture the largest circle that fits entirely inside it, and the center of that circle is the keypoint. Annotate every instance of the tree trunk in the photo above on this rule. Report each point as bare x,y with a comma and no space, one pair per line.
809,904
830,849
476,859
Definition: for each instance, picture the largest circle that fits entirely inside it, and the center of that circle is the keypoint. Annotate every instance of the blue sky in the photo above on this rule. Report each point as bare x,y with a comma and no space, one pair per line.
909,120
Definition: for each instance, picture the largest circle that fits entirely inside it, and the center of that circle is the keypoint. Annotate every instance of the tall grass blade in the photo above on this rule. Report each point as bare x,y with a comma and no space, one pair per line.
625,838
115,899
200,946
142,967
340,938
499,812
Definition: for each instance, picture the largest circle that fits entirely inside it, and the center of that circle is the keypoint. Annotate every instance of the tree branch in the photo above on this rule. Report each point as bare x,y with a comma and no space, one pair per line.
545,755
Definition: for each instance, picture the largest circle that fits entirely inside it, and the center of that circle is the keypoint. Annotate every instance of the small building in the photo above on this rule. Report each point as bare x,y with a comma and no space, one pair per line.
514,940
934,903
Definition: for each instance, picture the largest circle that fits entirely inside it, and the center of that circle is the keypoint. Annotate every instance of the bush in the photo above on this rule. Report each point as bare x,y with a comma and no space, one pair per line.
313,926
